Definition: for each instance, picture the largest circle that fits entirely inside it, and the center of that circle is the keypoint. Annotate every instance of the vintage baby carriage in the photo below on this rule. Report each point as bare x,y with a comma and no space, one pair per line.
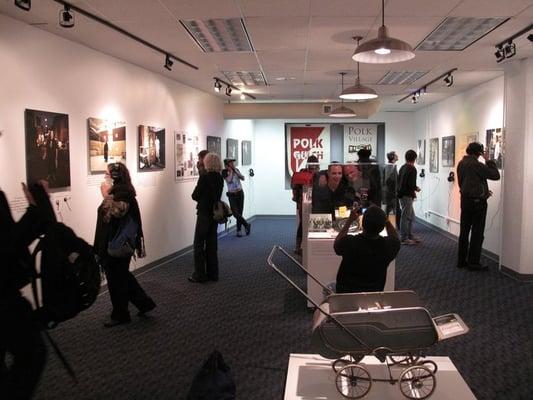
392,326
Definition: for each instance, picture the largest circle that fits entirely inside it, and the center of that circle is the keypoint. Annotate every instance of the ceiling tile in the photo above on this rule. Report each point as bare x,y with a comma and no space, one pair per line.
200,9
286,60
274,8
492,8
278,33
345,8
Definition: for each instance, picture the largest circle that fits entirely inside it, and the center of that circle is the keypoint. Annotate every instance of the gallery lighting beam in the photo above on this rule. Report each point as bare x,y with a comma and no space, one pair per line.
506,48
66,17
168,62
423,89
23,4
229,88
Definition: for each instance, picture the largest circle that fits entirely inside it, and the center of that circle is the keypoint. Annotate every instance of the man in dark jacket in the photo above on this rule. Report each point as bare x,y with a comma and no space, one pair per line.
472,178
407,193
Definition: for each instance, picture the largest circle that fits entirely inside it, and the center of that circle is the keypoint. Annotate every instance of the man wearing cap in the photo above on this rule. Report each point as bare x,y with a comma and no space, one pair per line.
233,178
472,178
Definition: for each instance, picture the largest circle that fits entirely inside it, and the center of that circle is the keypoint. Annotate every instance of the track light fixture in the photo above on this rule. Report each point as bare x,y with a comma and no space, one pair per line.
448,80
168,62
218,85
23,4
228,90
66,17
507,48
415,94
500,56
530,37
414,99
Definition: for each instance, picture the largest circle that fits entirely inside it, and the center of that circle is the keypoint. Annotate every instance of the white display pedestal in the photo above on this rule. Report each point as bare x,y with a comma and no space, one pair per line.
310,377
322,262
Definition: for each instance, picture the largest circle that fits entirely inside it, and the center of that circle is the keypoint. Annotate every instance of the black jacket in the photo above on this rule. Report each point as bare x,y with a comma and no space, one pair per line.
472,177
407,181
207,191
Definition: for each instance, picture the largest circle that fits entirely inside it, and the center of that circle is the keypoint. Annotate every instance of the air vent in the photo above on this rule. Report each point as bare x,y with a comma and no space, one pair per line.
245,78
457,33
219,35
401,77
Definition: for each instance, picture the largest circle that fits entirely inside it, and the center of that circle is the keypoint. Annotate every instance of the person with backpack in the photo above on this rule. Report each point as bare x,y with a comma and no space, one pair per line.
118,237
20,330
207,193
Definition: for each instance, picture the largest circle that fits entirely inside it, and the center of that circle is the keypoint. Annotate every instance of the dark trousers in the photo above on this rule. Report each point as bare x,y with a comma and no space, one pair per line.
124,288
205,248
473,215
236,202
392,206
299,233
20,336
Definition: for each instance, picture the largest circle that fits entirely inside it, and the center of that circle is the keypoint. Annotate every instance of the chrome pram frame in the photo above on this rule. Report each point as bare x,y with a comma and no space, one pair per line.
417,379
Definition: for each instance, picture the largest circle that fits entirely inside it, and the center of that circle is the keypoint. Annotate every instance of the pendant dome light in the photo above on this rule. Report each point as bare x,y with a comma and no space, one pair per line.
384,49
358,91
342,111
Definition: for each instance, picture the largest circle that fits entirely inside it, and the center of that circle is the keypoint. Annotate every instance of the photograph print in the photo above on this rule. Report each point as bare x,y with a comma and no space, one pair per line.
434,155
186,149
47,148
494,146
232,150
421,152
214,145
151,148
107,144
448,151
246,152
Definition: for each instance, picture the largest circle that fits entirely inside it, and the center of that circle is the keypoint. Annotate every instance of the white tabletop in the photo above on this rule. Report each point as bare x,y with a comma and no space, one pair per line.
310,377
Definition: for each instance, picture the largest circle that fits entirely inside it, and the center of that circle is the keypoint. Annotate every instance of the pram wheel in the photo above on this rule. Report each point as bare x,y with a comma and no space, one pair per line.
404,360
432,365
353,381
417,382
338,364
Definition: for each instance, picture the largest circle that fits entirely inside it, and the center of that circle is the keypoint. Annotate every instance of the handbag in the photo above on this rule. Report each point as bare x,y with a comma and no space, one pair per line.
221,212
214,381
122,245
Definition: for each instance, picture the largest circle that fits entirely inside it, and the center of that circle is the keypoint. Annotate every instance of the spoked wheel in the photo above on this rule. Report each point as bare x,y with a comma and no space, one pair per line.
417,382
353,381
429,364
338,364
404,360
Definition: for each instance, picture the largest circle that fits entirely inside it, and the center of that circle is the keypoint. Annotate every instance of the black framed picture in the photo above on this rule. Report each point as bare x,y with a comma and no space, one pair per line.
246,150
434,155
214,145
232,150
421,152
448,151
151,155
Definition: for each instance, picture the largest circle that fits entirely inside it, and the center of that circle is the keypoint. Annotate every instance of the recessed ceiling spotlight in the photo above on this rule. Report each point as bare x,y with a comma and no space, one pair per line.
23,4
168,62
66,17
243,96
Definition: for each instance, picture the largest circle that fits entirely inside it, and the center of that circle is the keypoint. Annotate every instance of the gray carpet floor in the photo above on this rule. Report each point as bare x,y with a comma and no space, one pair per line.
256,320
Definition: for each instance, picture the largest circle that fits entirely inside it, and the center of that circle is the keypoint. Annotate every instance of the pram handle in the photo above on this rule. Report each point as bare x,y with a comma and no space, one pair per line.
328,315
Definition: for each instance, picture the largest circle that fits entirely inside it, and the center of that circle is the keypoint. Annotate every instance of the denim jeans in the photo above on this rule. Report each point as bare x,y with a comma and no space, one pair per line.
408,216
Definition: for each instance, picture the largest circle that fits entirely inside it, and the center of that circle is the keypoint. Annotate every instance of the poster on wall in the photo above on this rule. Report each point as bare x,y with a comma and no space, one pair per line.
494,145
301,141
434,155
421,152
47,148
448,151
214,145
186,149
246,149
107,144
232,150
357,137
463,140
151,148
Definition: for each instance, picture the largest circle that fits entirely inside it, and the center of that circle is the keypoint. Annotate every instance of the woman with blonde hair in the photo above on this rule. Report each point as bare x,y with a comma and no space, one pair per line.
206,193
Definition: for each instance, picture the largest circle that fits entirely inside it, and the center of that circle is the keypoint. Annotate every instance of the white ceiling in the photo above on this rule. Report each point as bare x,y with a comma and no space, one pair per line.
308,40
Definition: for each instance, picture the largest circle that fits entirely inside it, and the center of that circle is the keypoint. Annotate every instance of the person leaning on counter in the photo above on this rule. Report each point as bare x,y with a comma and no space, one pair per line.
365,257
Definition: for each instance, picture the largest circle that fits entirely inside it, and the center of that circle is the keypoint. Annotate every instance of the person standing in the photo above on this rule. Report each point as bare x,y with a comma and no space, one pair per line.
208,190
106,151
390,187
407,190
120,204
472,178
233,178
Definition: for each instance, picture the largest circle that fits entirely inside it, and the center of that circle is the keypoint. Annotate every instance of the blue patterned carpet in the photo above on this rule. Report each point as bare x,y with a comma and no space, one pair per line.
255,320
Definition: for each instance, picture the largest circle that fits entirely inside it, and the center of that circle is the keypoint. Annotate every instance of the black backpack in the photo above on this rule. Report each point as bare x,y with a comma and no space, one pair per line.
70,275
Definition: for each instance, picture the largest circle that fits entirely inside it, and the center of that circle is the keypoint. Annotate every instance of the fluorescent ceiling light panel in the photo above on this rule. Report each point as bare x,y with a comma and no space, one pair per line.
457,33
219,35
245,78
401,77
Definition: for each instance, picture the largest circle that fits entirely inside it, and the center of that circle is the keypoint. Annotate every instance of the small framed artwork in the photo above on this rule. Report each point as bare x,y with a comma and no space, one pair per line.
107,144
495,145
214,145
246,149
421,152
186,149
448,151
232,150
151,148
434,155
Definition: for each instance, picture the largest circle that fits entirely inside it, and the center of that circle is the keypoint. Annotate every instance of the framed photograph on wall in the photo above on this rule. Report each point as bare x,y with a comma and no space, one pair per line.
107,144
151,148
434,155
214,145
232,150
421,152
47,148
186,149
246,150
494,145
448,151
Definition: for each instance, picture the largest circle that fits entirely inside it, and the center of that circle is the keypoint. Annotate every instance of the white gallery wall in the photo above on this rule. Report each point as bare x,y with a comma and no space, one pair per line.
271,197
45,72
475,110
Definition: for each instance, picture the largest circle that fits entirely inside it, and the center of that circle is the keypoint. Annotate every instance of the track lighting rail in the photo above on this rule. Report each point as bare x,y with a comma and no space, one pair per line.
423,89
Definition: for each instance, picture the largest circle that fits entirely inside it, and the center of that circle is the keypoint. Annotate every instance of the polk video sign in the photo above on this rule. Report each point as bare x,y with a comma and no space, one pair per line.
357,137
304,141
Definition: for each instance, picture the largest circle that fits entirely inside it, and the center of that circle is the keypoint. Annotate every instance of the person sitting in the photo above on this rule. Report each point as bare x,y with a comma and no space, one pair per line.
365,257
331,191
